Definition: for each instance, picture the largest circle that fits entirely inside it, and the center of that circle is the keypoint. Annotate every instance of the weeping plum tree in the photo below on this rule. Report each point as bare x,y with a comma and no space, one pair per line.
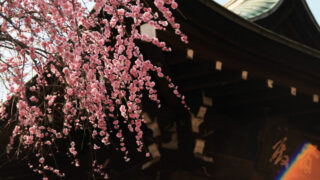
93,62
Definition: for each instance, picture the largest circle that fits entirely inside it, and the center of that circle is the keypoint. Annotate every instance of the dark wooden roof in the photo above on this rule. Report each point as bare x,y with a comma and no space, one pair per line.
294,20
217,34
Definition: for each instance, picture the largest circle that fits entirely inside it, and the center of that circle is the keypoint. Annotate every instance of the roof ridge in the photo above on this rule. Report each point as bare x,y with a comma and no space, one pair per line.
257,7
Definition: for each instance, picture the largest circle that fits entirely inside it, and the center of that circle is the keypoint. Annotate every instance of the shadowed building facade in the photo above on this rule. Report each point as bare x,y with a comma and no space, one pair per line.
251,75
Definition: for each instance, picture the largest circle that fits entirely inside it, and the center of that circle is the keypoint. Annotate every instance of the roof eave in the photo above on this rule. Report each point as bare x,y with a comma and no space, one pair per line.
261,30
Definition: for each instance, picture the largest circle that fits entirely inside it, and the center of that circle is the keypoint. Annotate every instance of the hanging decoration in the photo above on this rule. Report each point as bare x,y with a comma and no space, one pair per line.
218,65
190,54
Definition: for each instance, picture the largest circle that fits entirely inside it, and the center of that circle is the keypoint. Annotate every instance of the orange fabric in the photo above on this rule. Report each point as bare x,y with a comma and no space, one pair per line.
306,166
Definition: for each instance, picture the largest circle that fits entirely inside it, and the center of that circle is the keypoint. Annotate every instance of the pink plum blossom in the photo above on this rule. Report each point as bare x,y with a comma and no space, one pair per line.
92,77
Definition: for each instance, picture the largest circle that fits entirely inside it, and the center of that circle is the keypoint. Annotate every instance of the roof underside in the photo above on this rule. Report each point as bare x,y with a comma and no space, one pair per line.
251,9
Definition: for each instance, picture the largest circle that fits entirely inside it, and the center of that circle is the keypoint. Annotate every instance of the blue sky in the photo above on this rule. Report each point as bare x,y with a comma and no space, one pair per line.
313,4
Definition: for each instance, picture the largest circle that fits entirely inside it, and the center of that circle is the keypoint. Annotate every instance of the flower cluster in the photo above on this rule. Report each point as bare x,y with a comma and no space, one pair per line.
87,66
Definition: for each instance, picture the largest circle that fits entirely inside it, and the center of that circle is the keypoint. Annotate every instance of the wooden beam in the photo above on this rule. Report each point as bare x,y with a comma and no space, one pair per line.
240,87
211,80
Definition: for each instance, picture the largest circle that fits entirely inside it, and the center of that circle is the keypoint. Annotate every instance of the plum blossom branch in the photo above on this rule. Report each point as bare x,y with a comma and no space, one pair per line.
90,73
